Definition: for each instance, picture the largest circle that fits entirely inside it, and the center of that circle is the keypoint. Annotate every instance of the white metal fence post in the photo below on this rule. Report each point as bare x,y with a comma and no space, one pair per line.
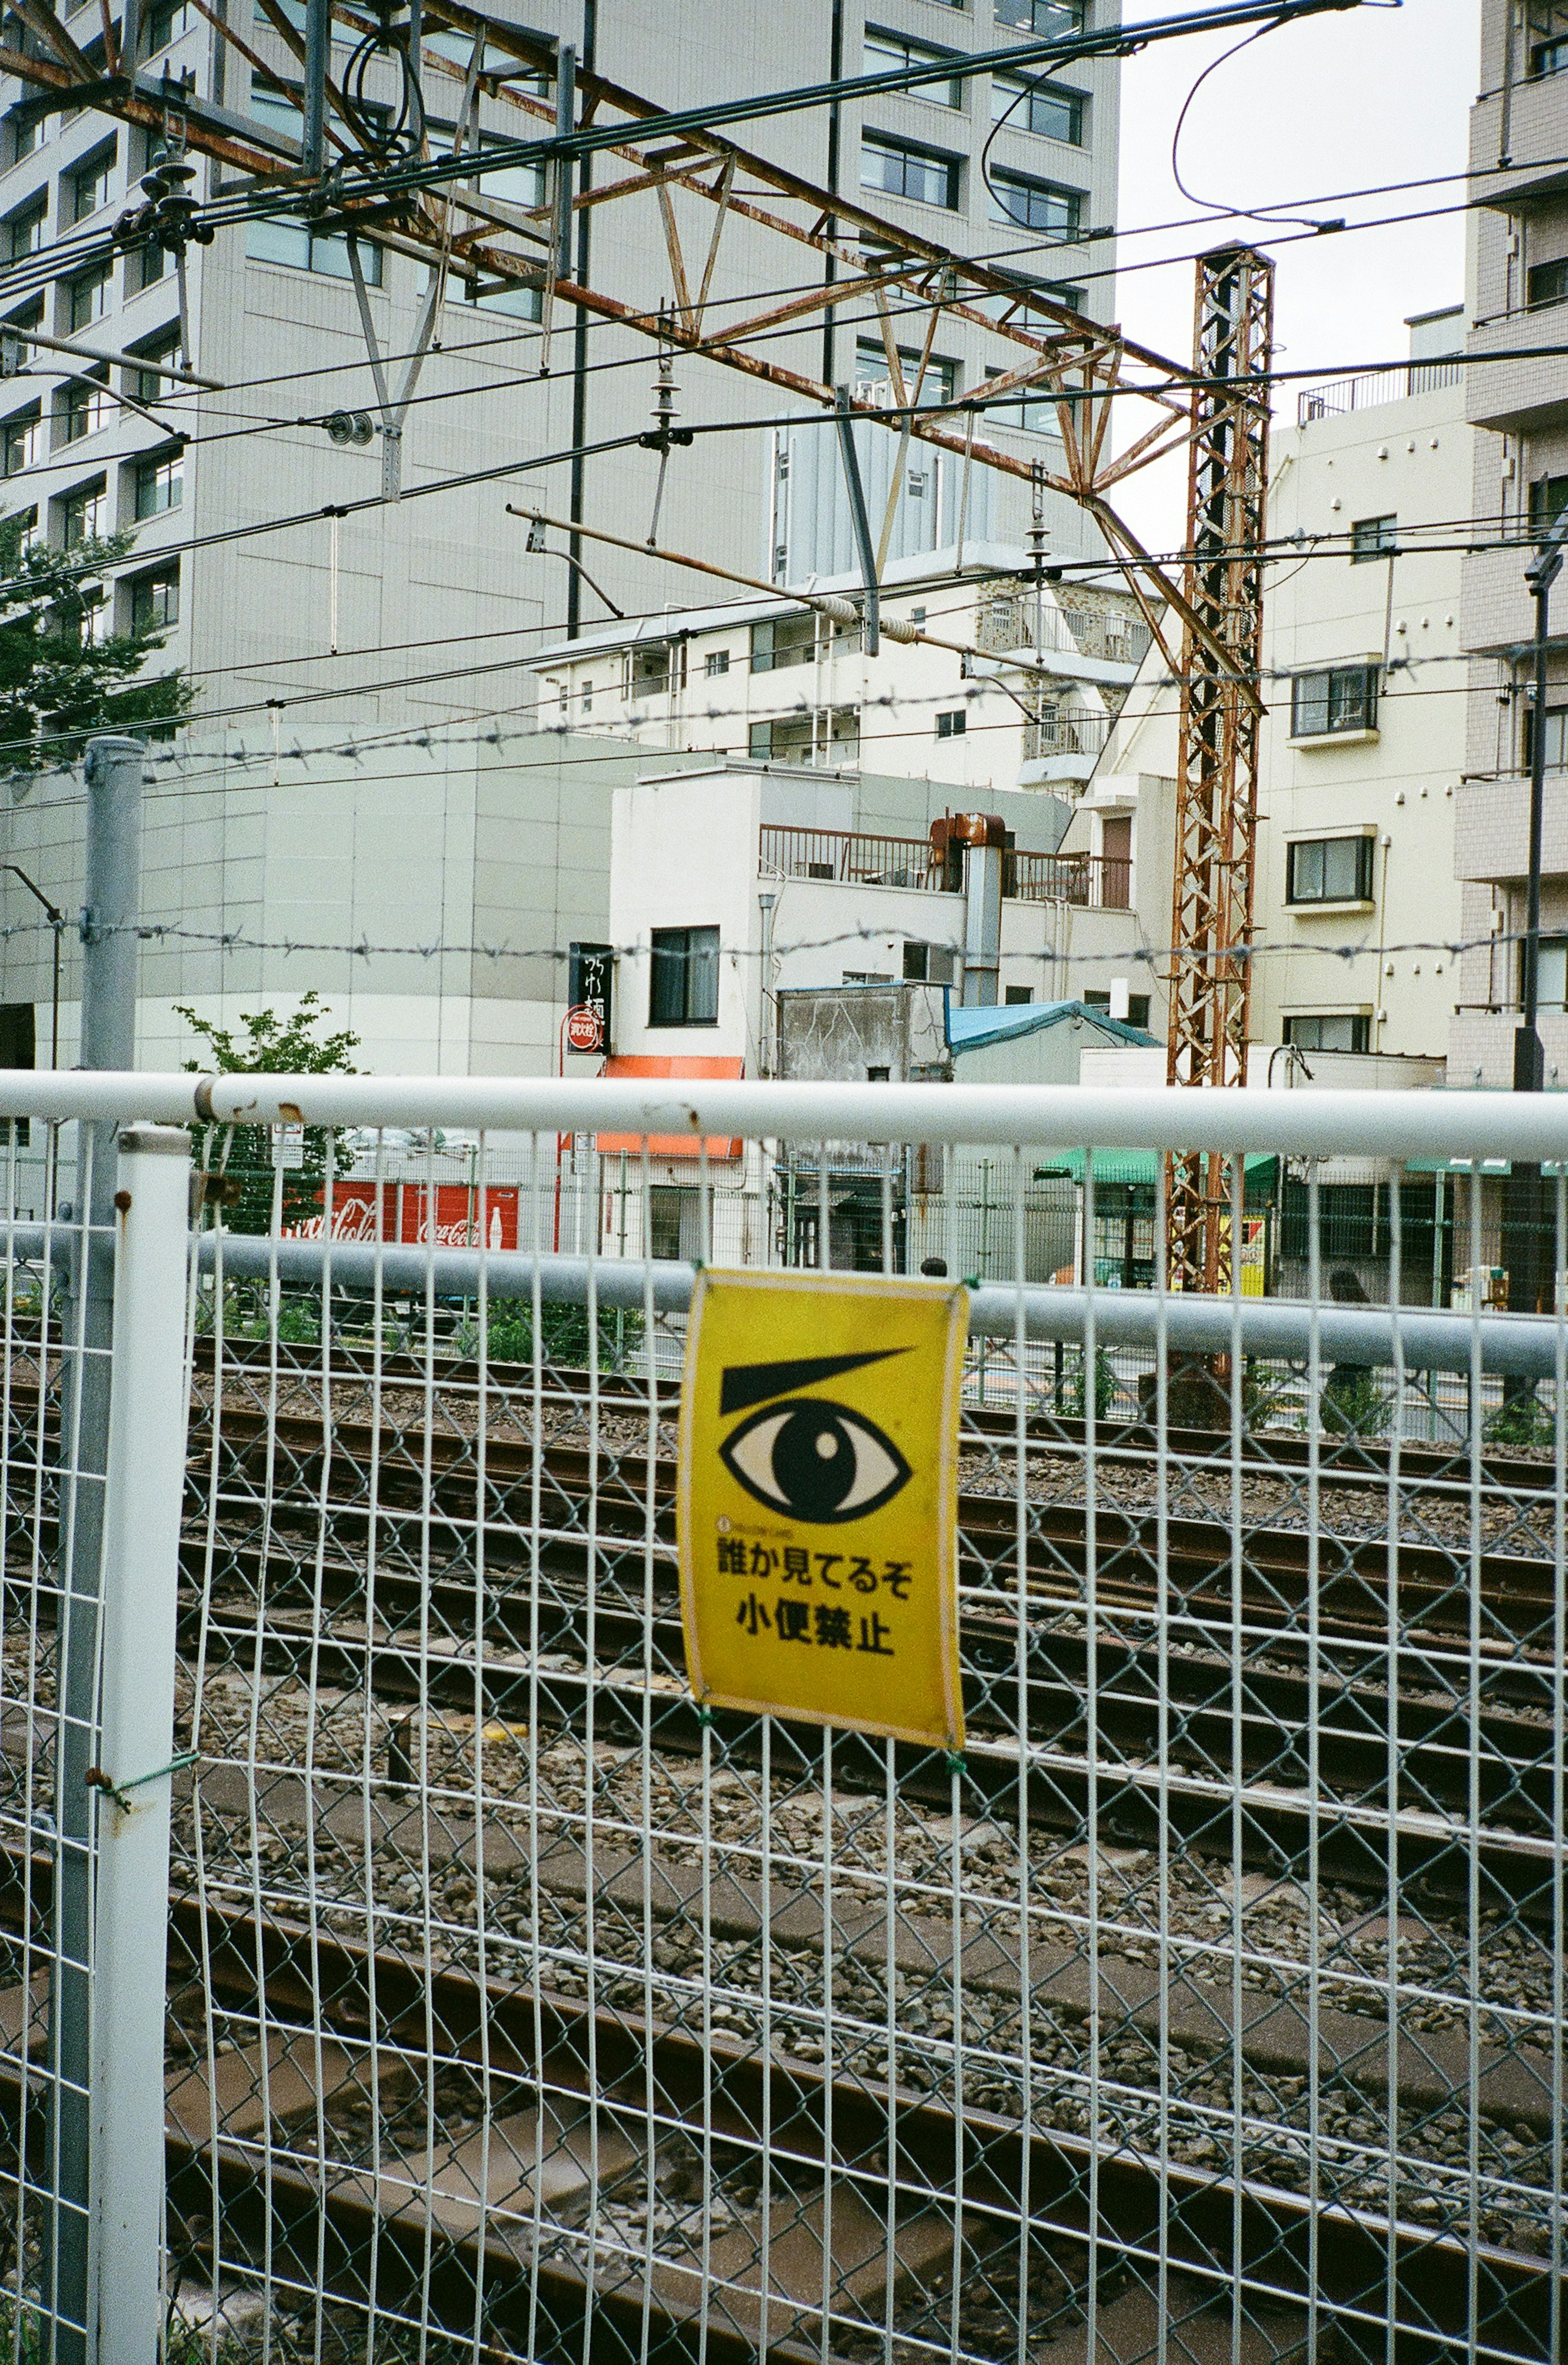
148,1416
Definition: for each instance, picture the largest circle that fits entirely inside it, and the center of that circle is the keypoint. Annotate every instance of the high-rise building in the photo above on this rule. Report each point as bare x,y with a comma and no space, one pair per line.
1519,265
412,612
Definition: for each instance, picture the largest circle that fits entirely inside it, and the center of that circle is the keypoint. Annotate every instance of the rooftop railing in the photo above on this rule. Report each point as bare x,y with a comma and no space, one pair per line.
1372,387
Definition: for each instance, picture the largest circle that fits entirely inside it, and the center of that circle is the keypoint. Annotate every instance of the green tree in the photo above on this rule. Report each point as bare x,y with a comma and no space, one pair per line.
59,681
269,1046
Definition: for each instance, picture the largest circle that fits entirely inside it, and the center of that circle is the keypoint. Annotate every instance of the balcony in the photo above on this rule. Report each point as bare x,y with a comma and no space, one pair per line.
1374,388
850,857
1536,163
1500,393
1491,828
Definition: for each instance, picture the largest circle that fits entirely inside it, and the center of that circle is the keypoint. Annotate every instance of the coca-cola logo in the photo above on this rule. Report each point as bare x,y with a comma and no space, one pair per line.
458,1217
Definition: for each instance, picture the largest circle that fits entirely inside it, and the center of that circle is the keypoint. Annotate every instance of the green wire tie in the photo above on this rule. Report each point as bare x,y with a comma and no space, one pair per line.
704,1713
973,1282
96,1779
957,1762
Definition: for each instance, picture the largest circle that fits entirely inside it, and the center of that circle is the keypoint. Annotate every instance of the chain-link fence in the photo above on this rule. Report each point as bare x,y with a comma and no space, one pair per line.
1209,2003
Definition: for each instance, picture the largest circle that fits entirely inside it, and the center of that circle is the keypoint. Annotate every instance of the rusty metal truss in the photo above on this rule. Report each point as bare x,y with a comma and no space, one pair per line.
699,182
1216,795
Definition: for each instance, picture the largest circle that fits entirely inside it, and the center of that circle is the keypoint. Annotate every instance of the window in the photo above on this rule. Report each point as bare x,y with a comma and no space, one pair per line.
1041,107
885,51
648,671
148,385
1548,498
519,303
826,736
155,600
1028,203
161,482
144,267
675,1225
88,298
1341,698
18,1049
1547,58
1043,16
1546,283
1037,412
939,384
1556,738
95,628
901,169
953,725
588,698
716,662
1551,974
1018,993
167,20
1329,870
23,446
24,231
302,249
90,184
684,987
1372,538
1098,998
1330,1030
84,514
1027,305
782,641
85,406
27,130
928,964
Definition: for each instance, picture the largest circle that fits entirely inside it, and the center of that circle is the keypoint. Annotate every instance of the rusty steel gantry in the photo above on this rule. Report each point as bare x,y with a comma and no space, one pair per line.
1221,708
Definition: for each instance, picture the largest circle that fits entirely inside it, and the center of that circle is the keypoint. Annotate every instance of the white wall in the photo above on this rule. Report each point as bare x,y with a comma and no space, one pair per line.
683,854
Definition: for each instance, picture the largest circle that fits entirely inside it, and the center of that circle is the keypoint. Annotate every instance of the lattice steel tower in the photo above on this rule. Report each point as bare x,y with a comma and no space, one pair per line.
1216,795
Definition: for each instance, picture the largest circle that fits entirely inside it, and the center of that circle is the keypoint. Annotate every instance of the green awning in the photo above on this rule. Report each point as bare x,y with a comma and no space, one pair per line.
1140,1166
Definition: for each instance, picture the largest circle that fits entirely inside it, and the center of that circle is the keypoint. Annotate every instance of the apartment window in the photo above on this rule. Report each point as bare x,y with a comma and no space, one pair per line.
900,168
1556,738
780,641
88,298
1372,538
1551,973
298,248
1016,995
1043,16
588,698
167,20
23,443
1042,107
830,737
927,964
1330,1030
1548,498
938,385
1029,204
146,266
1547,58
155,600
29,522
886,50
84,514
1340,697
1546,283
1098,998
648,671
85,407
1329,870
90,184
161,482
716,662
148,385
24,231
1037,412
26,130
684,986
953,724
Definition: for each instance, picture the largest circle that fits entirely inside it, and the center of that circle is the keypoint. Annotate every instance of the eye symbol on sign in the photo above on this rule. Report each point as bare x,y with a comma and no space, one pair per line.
820,1461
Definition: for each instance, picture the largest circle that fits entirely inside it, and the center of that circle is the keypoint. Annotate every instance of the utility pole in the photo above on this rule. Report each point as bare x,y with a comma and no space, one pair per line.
1526,1213
109,915
580,347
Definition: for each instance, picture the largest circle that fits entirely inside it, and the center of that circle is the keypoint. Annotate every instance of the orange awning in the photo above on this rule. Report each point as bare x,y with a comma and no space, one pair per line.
665,1065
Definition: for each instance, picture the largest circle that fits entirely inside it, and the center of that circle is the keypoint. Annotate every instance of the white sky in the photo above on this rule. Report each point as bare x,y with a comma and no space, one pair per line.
1333,104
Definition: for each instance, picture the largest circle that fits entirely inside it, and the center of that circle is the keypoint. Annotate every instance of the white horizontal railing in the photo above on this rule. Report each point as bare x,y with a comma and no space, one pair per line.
1391,1125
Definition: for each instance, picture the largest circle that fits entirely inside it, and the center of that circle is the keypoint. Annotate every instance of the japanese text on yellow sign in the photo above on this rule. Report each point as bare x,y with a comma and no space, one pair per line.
817,1499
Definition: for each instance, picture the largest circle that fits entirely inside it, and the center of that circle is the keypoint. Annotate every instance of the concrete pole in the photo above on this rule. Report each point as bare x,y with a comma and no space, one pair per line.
149,1412
113,770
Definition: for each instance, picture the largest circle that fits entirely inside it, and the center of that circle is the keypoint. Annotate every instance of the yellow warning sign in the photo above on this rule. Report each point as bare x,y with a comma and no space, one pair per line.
816,1499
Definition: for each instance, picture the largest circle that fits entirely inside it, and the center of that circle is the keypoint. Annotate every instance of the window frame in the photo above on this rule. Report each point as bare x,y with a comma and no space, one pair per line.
1358,1021
87,399
683,977
1299,895
96,171
31,218
89,285
871,370
147,469
1374,538
152,580
1546,284
72,506
1340,721
893,48
907,152
952,723
1035,17
1005,90
22,430
1005,178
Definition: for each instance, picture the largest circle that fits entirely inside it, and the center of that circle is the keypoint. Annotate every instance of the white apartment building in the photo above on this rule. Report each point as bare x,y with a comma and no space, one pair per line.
418,610
1363,753
783,683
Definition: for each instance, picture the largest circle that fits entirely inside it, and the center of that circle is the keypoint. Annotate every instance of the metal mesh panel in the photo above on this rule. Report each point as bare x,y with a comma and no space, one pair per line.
1211,2006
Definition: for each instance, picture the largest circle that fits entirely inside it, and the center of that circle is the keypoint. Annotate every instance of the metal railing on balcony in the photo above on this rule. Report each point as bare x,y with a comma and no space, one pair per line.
1374,387
1007,620
1095,881
1069,731
849,855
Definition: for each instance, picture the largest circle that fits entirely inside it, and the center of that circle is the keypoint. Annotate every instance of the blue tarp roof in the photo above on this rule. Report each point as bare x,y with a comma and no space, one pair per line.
968,1028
